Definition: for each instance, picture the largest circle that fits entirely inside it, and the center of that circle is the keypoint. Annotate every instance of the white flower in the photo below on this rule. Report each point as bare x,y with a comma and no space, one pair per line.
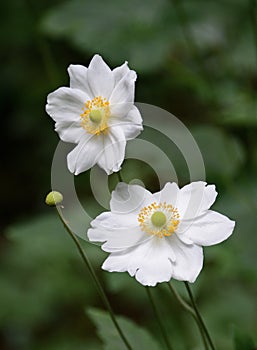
156,237
97,113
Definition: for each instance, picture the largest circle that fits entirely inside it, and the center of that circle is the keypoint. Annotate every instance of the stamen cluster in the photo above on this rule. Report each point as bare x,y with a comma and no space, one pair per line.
92,126
170,224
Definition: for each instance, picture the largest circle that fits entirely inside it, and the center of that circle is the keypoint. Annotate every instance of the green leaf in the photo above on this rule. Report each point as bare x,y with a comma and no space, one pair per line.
41,270
243,341
138,337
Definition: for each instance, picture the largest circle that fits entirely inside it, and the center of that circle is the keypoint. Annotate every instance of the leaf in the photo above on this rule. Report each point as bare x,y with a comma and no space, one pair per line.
138,337
243,341
41,270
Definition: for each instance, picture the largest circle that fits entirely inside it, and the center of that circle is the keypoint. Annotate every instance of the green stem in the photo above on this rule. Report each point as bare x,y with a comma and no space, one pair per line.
199,315
162,329
94,277
191,311
119,176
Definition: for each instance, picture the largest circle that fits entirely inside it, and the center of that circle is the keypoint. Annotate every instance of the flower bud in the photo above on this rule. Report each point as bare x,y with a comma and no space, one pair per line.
53,198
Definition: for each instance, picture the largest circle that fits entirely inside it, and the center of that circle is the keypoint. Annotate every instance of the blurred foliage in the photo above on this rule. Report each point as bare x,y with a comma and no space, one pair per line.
196,59
138,338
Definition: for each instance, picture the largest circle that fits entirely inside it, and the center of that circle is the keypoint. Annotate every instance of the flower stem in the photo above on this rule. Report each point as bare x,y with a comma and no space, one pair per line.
119,176
199,315
191,311
94,277
162,329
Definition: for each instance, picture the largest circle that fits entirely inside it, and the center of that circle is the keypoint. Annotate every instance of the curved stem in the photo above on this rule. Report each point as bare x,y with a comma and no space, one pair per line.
199,315
94,277
162,329
191,311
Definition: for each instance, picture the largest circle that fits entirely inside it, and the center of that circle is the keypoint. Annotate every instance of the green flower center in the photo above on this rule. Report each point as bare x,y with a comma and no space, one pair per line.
95,116
158,219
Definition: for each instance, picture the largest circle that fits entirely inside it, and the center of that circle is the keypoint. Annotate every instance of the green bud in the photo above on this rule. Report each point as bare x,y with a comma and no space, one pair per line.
53,198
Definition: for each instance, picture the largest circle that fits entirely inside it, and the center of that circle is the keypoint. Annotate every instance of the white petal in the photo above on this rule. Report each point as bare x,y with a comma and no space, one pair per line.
119,231
168,194
208,229
84,155
100,77
65,104
122,97
120,72
149,262
194,199
70,132
118,239
129,198
131,123
79,79
109,220
189,260
113,150
124,91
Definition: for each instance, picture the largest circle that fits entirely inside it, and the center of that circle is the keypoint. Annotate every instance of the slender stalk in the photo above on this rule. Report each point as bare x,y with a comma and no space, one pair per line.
191,311
119,176
94,277
199,315
162,329
181,300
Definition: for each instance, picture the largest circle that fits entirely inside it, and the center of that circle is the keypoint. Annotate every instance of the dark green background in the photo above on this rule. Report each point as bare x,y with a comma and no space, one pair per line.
196,59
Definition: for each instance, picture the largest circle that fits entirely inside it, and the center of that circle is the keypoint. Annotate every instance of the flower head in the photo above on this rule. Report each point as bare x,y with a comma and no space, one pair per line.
156,237
97,113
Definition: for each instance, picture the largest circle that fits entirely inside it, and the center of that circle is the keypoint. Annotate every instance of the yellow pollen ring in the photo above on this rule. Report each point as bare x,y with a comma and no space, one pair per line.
95,116
160,219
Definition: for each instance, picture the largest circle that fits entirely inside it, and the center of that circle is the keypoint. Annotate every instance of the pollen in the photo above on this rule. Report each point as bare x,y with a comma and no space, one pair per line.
160,219
95,116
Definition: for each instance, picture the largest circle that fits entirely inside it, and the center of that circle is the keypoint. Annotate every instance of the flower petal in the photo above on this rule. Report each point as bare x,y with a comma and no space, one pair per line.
109,220
208,229
131,123
194,199
79,79
65,104
168,194
113,150
124,91
149,262
118,239
84,155
129,198
120,72
119,231
189,260
70,132
100,77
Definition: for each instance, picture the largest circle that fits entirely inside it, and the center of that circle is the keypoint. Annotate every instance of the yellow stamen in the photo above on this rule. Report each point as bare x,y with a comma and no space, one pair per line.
95,115
160,219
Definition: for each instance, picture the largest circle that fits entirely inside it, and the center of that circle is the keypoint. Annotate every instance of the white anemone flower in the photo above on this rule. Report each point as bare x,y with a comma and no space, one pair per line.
97,113
156,237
